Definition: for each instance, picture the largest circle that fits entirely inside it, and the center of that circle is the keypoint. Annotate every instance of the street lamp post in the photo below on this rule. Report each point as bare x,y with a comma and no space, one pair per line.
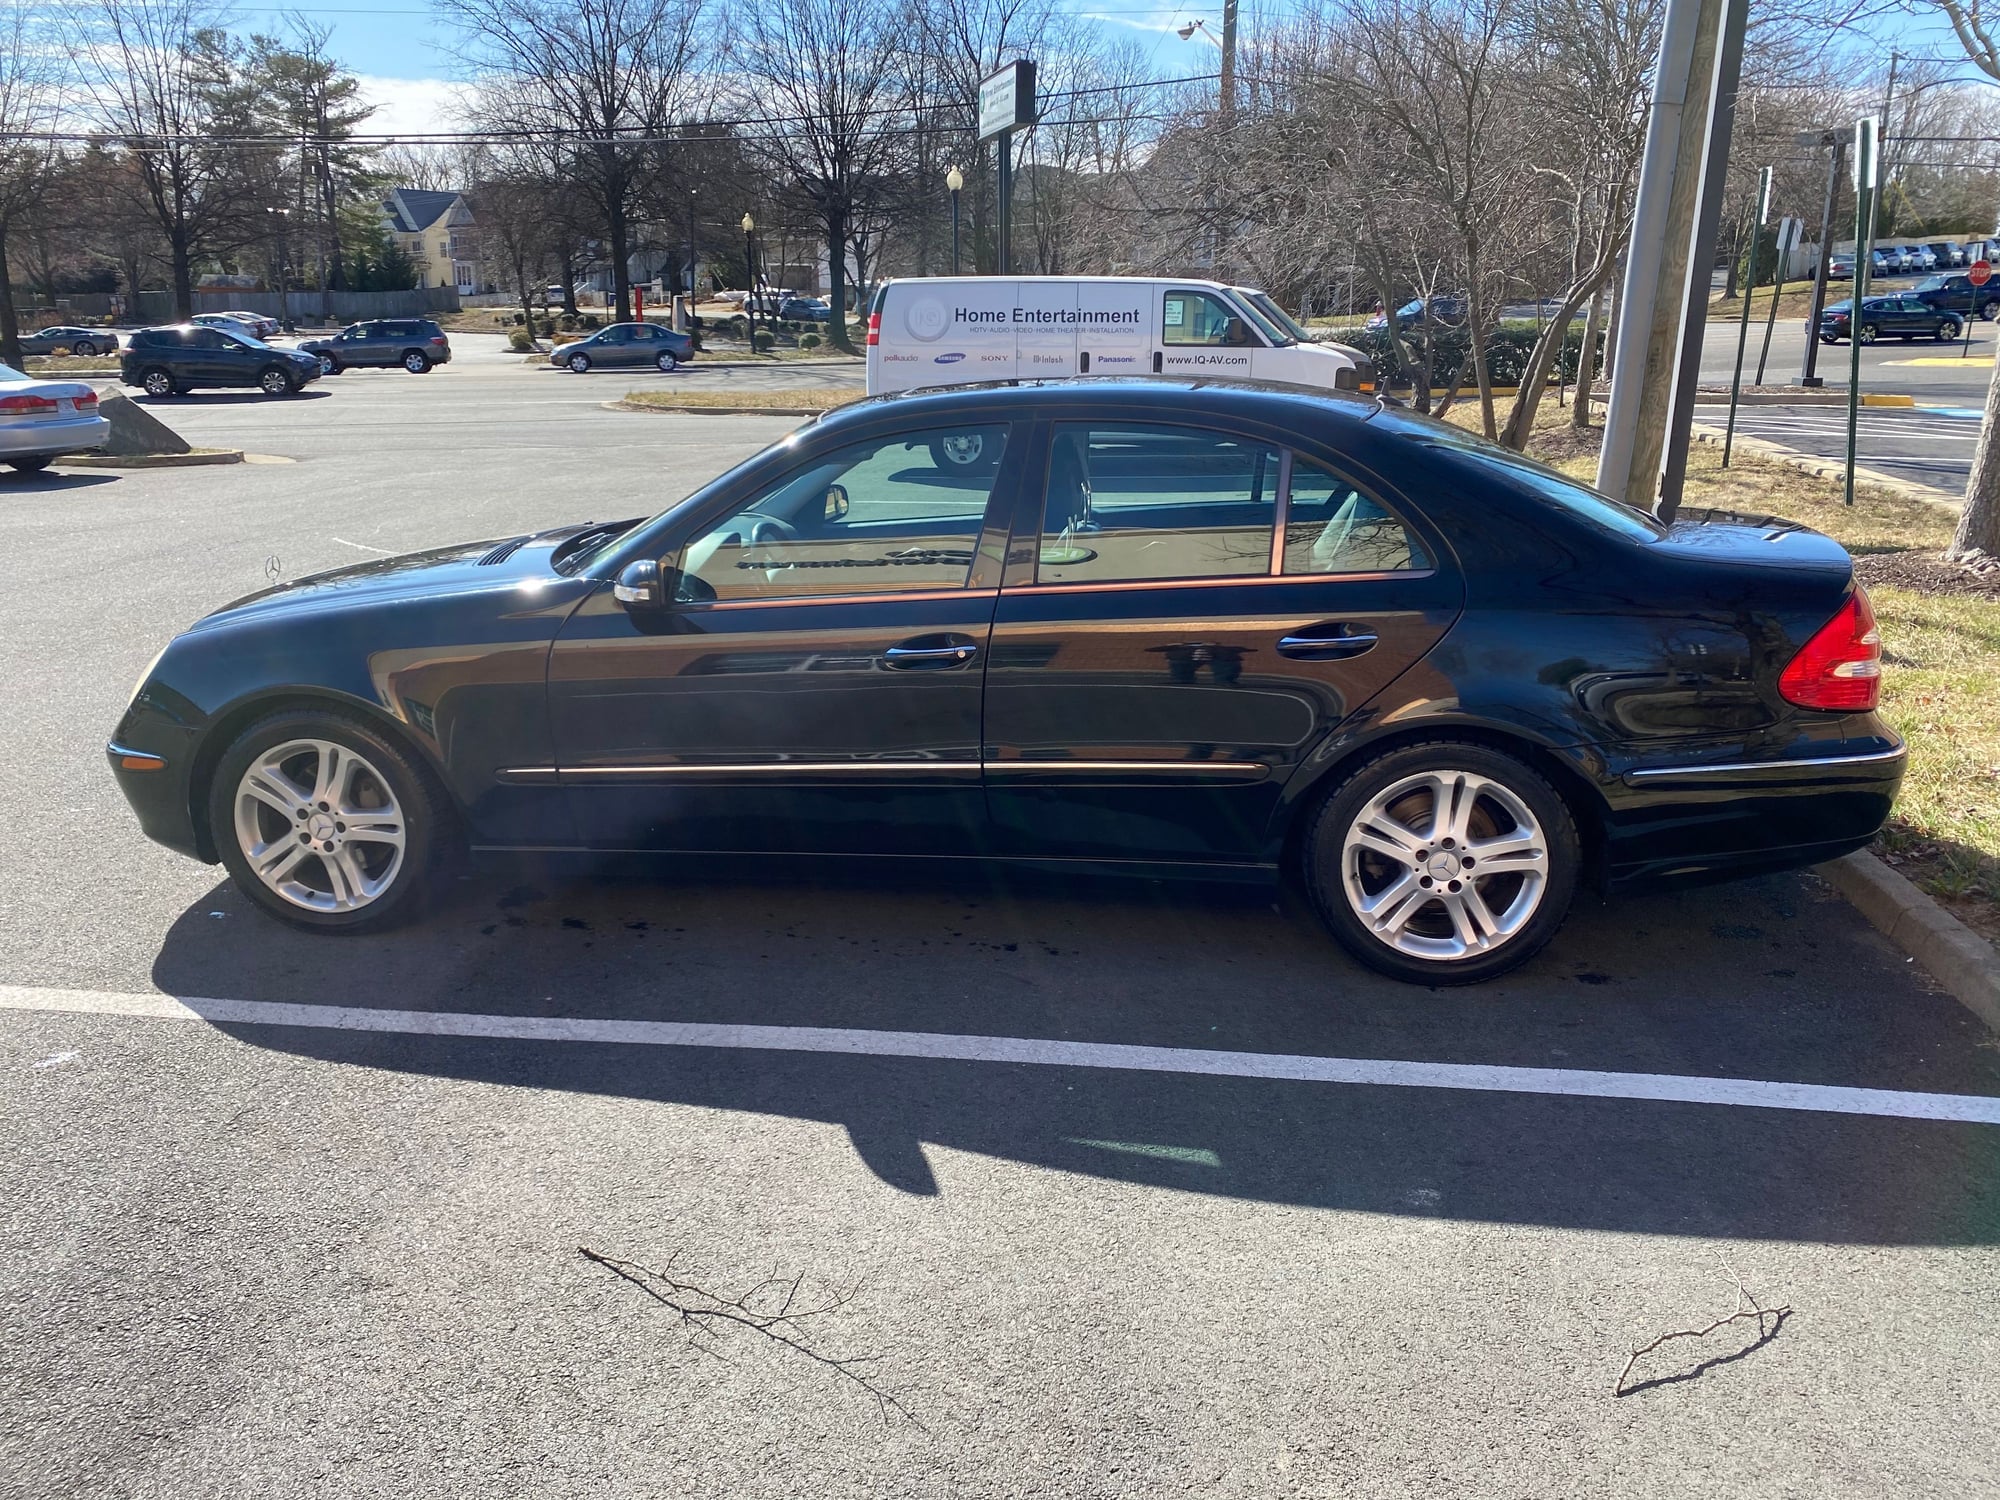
955,180
282,217
750,275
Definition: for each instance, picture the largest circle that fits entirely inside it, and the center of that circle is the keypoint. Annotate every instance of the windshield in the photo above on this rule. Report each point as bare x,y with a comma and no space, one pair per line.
1273,332
243,338
1288,328
1931,284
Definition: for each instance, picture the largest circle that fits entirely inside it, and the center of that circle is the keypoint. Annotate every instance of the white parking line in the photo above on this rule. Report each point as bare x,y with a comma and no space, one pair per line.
1381,1072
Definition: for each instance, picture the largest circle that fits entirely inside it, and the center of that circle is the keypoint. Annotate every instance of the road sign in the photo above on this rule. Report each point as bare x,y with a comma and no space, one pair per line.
1979,273
1007,99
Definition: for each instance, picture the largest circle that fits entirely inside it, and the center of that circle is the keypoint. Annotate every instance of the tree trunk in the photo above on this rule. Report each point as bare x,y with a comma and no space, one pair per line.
1586,363
621,285
1611,327
1979,525
1475,319
1404,360
836,275
10,323
183,264
1548,348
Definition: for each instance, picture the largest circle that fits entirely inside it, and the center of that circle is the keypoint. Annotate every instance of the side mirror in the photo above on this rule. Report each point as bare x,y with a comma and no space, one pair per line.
641,585
836,502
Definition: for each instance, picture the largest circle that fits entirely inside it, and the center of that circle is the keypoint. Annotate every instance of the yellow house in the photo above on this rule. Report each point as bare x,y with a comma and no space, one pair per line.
436,232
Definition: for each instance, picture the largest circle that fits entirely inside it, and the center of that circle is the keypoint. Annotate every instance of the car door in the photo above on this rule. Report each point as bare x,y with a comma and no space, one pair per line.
816,685
209,358
1188,611
614,348
1201,334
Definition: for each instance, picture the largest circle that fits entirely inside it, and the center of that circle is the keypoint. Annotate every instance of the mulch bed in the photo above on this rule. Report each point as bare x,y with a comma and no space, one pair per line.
1928,573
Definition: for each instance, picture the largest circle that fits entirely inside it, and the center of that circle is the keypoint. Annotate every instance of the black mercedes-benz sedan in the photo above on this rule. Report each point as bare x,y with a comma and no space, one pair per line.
1144,626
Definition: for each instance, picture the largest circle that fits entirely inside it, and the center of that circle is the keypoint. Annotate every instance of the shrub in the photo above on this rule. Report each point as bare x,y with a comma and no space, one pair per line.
544,327
590,321
521,341
764,340
739,325
808,341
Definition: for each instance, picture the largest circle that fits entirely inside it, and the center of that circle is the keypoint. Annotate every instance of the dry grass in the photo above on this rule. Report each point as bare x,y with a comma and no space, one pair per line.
69,364
1943,656
804,398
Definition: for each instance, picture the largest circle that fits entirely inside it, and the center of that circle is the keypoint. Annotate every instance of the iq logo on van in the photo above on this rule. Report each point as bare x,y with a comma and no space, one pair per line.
926,318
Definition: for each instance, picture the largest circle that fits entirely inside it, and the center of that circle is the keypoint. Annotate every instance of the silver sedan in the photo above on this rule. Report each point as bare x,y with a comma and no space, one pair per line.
40,420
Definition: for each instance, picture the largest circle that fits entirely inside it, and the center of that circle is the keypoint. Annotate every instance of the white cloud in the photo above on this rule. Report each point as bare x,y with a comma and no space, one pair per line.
413,106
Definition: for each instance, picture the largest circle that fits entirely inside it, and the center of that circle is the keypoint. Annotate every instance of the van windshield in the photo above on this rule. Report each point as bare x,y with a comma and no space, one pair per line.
1266,315
1295,331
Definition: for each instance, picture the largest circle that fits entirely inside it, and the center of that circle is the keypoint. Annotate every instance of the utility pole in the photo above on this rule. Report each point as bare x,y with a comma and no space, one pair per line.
1808,372
1656,265
1749,292
1228,61
1866,168
1734,21
1882,136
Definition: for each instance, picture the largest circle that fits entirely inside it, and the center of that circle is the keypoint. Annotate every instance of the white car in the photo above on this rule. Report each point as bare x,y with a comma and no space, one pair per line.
40,420
250,323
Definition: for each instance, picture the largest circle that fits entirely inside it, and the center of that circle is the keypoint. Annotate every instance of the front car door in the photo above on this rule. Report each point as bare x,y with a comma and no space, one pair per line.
615,347
817,685
1188,611
211,358
1201,334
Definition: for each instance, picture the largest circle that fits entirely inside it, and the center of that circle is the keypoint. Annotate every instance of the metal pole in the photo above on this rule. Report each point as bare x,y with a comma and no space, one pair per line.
1654,218
750,280
693,257
1228,98
954,231
1864,233
1004,144
1749,291
1733,21
1965,348
1777,291
1808,372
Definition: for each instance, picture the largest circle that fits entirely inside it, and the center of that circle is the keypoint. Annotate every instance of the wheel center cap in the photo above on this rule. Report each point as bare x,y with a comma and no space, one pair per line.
1442,865
321,827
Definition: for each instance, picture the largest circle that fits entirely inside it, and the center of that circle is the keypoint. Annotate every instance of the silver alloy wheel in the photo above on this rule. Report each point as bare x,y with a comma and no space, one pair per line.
275,383
319,825
963,448
84,349
159,383
326,364
416,364
1445,865
666,361
580,363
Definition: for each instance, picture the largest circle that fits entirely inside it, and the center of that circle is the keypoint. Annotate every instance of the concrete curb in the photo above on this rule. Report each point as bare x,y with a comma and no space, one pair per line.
150,460
1956,956
719,411
1825,468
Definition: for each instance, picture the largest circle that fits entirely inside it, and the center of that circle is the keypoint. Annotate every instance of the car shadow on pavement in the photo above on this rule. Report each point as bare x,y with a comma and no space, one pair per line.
49,481
1771,979
246,396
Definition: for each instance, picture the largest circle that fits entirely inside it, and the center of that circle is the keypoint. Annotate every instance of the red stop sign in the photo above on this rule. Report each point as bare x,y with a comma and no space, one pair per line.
1979,273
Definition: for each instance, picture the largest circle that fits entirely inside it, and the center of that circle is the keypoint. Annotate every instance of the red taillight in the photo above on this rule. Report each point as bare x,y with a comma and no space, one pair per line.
438,340
26,404
874,328
1840,668
87,400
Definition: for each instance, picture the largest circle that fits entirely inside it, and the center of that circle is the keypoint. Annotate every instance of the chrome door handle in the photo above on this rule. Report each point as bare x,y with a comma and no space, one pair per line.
1327,647
929,656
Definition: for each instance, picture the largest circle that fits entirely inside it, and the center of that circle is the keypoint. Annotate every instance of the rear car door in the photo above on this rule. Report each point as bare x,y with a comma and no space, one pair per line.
816,687
1188,611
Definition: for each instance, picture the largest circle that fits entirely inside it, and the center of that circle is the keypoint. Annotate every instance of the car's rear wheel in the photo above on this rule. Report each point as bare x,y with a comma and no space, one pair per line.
580,363
963,453
1948,330
157,382
1868,333
325,824
33,464
1988,311
83,349
666,362
275,382
417,362
1443,862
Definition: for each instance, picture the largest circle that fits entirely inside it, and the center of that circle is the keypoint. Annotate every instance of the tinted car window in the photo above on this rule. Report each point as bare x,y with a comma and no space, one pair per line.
1141,502
211,338
1525,476
1331,527
876,517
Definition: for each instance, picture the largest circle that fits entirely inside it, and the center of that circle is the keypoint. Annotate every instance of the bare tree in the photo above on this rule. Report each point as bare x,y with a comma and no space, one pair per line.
610,76
30,102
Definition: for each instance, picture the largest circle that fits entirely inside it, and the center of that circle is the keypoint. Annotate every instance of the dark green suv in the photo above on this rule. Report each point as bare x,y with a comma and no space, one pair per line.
413,344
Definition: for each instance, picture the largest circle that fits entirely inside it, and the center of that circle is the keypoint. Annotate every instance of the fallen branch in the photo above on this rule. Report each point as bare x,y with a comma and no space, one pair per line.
772,1308
1747,1307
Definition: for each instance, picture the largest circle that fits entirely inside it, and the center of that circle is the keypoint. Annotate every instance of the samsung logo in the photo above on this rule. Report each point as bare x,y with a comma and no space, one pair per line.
948,359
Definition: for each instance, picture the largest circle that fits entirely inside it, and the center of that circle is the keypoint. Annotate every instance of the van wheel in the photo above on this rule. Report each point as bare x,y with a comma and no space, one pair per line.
962,453
1443,863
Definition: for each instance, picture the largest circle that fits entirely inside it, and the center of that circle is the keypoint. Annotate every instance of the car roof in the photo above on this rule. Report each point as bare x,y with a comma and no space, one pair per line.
1170,398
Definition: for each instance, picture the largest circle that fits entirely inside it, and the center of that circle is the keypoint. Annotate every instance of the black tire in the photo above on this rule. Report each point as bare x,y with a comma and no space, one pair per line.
83,349
963,453
276,382
1947,331
1535,897
666,362
1988,311
328,365
1868,333
33,465
579,364
159,383
417,362
426,825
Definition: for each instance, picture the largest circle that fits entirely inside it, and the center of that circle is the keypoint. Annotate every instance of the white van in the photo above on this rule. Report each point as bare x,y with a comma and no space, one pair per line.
952,330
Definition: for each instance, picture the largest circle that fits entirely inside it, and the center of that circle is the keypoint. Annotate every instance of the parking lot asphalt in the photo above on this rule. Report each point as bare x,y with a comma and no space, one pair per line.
321,1253
1927,446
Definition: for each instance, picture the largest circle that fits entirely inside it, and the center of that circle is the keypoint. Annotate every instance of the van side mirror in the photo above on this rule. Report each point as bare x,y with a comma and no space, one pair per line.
641,585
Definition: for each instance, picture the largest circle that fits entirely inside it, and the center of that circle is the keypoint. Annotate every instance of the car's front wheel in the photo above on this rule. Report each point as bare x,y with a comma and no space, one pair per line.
326,824
158,383
33,464
83,349
1947,331
1868,333
580,363
417,362
1443,862
666,361
1988,311
275,382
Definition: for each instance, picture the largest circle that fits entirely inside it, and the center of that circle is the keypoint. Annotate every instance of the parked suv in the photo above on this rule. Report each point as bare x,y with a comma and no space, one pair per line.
1949,256
175,360
416,344
1957,294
